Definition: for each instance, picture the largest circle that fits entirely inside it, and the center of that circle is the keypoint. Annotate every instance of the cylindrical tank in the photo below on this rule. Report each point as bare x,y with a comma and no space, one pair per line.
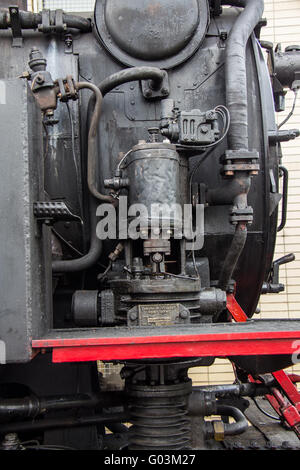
157,176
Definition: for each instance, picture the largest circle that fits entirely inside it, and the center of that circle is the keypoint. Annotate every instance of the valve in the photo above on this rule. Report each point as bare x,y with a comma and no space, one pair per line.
273,286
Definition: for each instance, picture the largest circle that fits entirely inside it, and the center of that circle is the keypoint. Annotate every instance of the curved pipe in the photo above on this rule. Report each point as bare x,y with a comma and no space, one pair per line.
229,429
131,75
92,256
94,253
240,425
104,87
236,75
229,191
92,148
33,20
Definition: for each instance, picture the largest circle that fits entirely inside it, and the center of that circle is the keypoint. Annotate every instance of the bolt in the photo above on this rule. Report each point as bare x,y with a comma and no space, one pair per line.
164,91
133,316
157,258
183,314
148,93
40,79
68,40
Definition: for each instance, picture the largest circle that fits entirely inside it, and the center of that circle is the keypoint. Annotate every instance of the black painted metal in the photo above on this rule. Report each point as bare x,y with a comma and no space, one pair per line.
170,37
158,414
163,34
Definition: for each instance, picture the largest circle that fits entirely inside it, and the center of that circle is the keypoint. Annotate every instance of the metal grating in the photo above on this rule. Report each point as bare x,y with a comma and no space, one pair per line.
66,5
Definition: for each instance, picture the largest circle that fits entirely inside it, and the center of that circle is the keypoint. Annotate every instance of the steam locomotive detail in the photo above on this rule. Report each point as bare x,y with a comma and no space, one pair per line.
140,190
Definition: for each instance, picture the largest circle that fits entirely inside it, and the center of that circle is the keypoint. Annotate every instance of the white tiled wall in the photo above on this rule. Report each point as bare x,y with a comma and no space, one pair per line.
283,27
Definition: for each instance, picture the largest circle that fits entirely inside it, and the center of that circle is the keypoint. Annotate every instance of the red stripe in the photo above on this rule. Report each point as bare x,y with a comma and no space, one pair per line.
235,309
216,348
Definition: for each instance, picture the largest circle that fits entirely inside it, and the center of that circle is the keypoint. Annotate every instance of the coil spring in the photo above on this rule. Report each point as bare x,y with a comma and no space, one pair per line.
159,417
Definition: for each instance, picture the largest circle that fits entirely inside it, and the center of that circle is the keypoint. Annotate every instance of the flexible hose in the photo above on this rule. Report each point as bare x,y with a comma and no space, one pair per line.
31,20
240,425
236,74
131,75
229,429
234,252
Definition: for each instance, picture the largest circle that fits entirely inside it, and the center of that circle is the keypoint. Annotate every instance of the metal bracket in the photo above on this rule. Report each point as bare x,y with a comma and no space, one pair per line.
16,28
67,90
49,212
50,24
151,91
285,187
241,215
239,160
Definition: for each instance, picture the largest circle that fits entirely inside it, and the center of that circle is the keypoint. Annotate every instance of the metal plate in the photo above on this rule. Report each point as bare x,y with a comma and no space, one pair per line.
142,32
157,314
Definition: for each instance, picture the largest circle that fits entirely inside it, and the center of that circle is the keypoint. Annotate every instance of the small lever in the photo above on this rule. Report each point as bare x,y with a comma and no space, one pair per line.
273,286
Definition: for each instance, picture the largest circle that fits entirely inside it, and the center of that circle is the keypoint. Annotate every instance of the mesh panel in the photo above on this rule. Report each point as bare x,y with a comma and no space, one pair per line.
66,5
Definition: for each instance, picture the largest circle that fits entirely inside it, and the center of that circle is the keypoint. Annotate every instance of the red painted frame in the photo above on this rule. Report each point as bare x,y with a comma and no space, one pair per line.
168,346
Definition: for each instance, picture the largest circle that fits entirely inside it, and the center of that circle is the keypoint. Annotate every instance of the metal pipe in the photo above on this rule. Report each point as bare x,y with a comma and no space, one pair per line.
236,75
91,257
229,190
237,104
236,390
131,75
31,20
226,429
32,406
95,249
240,425
234,252
58,423
92,149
